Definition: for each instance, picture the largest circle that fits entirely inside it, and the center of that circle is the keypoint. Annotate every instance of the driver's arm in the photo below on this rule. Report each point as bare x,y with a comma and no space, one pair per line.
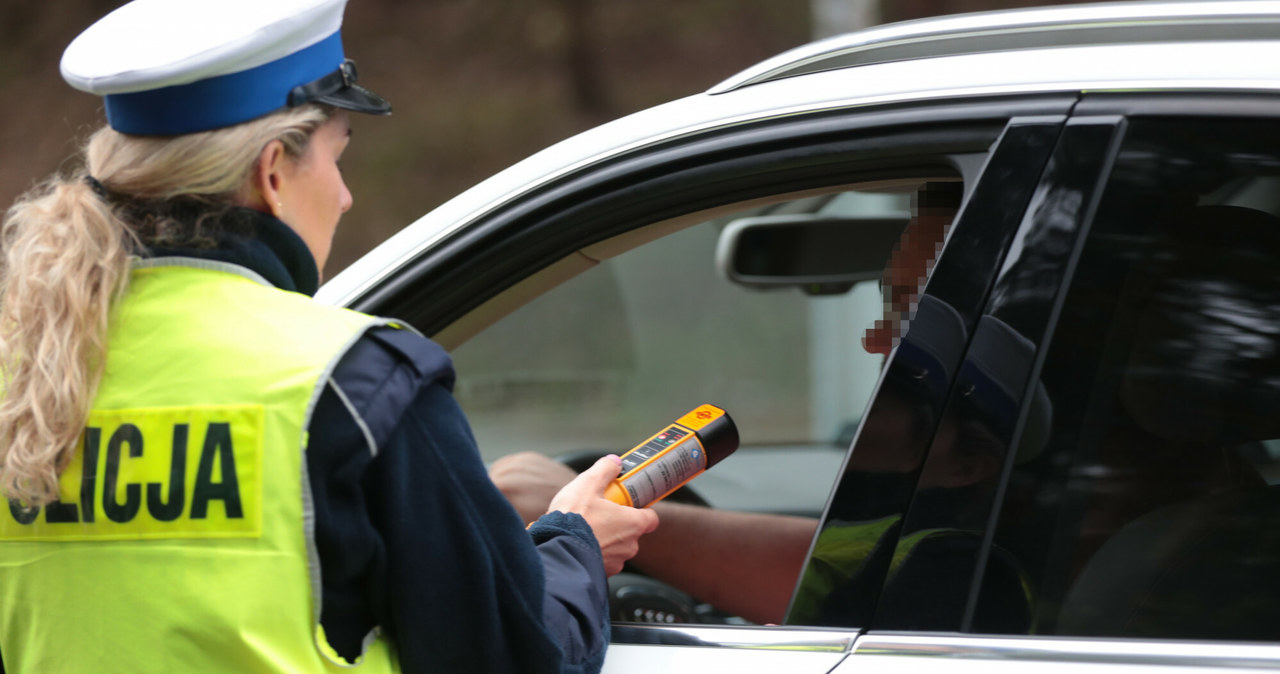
743,563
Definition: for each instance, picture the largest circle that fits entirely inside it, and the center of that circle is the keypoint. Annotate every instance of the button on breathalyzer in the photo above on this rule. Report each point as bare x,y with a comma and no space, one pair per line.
673,456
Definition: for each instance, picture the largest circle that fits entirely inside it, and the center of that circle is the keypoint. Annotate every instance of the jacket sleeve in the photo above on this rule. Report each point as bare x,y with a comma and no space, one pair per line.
414,538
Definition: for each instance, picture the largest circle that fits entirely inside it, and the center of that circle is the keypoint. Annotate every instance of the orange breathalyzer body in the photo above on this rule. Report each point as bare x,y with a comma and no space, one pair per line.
673,456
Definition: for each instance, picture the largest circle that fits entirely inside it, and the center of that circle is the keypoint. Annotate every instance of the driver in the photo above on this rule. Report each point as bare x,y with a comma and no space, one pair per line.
865,522
778,545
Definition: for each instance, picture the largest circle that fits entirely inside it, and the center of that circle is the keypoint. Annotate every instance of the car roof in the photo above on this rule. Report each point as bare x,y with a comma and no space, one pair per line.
1020,29
1206,45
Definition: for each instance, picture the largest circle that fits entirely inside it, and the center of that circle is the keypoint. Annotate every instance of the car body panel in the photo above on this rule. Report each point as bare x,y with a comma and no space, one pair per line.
1169,67
885,653
1009,30
633,659
987,97
799,650
673,182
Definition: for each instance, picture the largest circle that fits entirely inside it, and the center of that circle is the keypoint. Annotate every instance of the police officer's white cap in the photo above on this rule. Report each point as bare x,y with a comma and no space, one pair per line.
167,67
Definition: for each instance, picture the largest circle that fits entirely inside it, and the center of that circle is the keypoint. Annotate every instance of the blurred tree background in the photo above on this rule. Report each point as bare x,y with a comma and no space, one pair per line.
476,84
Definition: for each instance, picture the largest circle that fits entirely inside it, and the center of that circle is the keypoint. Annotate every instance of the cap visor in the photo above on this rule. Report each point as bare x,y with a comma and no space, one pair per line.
357,99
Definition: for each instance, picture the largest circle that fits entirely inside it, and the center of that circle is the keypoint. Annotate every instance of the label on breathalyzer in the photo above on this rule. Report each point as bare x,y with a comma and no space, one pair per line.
650,449
679,463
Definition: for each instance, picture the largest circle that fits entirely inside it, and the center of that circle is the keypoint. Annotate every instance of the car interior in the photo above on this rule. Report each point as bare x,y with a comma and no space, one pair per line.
1150,493
1152,512
658,303
1196,392
758,307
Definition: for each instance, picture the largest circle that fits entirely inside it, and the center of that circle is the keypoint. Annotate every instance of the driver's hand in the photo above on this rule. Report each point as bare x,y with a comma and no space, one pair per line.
529,480
617,528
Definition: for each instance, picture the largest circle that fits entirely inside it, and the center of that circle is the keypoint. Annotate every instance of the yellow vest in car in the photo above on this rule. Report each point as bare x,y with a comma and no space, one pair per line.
182,541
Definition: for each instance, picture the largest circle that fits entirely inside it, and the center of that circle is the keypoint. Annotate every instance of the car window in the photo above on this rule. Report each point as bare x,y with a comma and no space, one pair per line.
608,358
1148,504
868,547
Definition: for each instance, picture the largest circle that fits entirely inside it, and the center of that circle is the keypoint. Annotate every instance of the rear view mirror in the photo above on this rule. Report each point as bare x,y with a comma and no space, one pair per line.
820,255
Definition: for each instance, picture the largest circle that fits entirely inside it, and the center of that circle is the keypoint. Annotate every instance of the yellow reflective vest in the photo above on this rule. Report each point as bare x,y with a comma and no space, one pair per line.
182,541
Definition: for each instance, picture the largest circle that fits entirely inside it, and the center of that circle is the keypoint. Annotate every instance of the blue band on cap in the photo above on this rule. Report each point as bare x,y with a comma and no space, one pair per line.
224,100
990,398
920,364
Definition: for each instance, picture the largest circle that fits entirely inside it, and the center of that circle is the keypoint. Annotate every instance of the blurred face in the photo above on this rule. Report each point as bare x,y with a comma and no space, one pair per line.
312,195
905,276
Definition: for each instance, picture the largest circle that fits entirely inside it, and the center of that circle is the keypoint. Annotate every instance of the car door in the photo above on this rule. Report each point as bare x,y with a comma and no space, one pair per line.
1130,523
586,313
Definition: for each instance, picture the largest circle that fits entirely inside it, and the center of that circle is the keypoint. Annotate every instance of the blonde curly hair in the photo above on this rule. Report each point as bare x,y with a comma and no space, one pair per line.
65,256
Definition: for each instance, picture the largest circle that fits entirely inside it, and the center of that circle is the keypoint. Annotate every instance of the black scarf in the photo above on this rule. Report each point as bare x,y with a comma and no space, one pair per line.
261,243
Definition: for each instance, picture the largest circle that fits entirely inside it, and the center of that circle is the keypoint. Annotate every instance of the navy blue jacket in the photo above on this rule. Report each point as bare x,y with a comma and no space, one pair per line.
413,537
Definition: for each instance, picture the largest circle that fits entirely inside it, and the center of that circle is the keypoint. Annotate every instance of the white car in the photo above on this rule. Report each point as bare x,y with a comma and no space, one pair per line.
1069,463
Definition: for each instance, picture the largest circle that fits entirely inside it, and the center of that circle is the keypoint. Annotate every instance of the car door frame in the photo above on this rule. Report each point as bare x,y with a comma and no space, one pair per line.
525,234
651,182
962,650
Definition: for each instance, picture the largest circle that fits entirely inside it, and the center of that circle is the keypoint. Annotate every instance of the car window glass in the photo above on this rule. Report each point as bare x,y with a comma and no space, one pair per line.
879,476
1151,509
856,551
941,539
608,358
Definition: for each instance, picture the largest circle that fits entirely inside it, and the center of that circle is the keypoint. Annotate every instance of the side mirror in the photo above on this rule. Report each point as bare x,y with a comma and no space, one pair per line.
820,255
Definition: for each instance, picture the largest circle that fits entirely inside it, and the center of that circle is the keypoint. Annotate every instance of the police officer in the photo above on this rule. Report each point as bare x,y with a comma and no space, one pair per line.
207,471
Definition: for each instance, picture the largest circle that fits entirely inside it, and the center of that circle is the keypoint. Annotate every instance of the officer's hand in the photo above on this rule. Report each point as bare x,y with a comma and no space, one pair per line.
530,480
618,528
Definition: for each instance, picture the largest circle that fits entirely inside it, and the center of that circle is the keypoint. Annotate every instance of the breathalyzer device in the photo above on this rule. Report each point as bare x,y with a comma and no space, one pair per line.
673,456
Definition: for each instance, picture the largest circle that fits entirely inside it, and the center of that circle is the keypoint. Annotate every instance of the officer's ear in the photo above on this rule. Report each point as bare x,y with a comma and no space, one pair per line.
270,173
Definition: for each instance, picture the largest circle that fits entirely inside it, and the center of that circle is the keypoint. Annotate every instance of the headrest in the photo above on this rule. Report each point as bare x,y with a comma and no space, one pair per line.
1204,362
